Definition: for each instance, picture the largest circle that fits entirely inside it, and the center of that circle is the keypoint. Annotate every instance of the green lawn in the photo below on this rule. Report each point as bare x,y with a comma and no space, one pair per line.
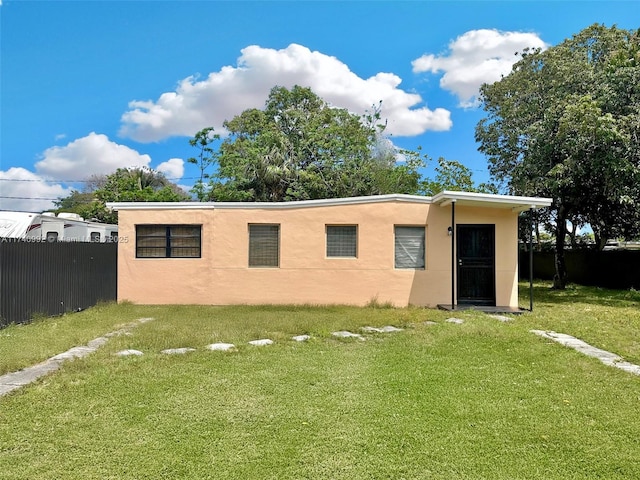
483,399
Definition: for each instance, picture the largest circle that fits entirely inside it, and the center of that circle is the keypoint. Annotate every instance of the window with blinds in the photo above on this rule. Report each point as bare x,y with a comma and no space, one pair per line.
409,247
264,245
342,241
168,241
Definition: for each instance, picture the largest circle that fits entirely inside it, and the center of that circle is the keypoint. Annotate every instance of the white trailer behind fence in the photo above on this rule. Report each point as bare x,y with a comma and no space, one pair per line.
69,227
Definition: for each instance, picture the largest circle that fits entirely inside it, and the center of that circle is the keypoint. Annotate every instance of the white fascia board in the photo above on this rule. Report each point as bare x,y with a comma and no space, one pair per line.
516,203
443,199
117,206
267,205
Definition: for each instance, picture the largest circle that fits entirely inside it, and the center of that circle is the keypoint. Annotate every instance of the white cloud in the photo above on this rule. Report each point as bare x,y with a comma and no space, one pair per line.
476,57
196,104
27,191
172,168
23,190
86,156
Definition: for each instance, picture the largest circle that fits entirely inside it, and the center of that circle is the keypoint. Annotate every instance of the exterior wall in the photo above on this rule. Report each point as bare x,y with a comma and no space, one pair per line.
306,276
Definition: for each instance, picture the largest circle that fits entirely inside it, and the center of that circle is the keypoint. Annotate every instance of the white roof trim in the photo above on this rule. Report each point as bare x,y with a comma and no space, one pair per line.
442,198
267,205
515,203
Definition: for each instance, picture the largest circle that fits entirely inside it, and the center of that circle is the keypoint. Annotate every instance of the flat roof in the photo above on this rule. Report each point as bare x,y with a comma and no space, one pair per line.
443,199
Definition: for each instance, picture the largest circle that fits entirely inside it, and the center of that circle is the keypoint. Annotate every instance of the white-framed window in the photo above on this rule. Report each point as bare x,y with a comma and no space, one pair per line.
409,247
264,245
342,241
168,241
95,236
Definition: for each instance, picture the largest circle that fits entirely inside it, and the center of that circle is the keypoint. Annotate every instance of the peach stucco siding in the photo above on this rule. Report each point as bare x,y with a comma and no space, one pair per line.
305,275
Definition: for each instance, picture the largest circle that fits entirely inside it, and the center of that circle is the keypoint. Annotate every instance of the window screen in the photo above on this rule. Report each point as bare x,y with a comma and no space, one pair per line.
342,240
264,245
409,247
168,241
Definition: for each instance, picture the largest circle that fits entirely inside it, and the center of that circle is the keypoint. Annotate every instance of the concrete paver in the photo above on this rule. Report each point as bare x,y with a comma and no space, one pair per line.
14,380
221,347
608,358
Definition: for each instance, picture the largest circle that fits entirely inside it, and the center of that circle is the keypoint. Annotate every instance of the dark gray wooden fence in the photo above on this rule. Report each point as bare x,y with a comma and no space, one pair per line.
616,269
54,278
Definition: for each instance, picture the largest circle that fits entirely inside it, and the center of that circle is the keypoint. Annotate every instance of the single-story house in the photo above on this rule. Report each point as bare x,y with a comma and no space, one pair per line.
455,249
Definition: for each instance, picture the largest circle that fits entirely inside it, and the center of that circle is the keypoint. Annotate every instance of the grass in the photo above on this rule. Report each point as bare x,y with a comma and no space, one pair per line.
608,319
479,400
22,345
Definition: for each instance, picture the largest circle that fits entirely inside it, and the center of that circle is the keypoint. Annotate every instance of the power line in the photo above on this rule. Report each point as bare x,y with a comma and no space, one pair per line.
76,181
42,180
30,198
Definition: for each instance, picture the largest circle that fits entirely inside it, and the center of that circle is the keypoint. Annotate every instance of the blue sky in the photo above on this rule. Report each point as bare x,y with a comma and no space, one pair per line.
90,86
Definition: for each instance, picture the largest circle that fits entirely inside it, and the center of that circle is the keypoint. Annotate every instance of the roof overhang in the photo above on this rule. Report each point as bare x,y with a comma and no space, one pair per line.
472,199
268,205
443,198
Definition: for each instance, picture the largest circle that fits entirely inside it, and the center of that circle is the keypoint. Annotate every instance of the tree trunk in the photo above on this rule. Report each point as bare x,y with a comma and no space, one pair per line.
560,277
572,236
601,235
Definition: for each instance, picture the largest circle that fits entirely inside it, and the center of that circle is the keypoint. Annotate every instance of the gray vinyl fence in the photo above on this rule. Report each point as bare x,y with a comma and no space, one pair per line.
616,269
43,278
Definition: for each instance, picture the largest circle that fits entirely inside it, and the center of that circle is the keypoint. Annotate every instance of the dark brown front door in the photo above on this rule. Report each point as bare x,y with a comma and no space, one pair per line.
476,264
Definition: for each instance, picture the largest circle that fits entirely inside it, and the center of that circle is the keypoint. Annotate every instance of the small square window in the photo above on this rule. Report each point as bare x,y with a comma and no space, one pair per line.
95,236
168,241
409,247
342,241
264,245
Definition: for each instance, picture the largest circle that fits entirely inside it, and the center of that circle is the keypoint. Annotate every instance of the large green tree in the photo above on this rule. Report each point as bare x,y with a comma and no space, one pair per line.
205,159
140,184
298,147
453,175
565,123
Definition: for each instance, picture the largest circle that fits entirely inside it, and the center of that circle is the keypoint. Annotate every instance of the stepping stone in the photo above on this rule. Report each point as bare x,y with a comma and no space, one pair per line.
345,334
74,352
117,333
429,323
221,347
261,343
581,346
301,338
608,358
457,321
628,367
391,329
126,353
12,381
178,351
387,329
371,330
15,380
97,342
501,318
